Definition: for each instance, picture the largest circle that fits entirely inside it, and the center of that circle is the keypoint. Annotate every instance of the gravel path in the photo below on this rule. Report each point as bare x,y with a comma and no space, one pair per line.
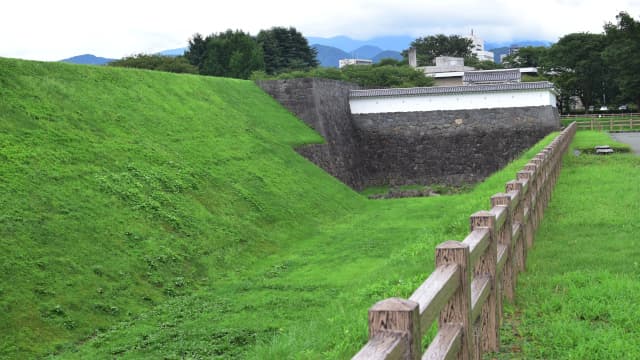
631,138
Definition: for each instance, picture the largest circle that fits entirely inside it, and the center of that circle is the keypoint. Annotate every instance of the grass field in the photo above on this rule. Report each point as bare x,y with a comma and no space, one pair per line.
155,215
579,297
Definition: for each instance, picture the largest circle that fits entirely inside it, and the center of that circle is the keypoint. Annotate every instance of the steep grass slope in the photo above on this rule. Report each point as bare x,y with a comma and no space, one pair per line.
154,215
123,188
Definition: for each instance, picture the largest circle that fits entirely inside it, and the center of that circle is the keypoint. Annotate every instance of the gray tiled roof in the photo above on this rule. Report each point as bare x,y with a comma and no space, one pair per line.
441,90
491,76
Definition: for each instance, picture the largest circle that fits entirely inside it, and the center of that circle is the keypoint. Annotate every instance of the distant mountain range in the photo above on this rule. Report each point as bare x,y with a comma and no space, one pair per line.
173,52
330,50
329,56
88,59
347,44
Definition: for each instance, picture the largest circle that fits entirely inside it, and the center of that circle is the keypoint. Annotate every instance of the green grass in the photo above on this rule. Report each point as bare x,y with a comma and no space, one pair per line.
156,215
439,189
588,140
579,297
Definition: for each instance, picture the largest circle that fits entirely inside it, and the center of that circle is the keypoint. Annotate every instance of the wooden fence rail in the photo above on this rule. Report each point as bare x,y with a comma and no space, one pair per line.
609,124
598,116
472,277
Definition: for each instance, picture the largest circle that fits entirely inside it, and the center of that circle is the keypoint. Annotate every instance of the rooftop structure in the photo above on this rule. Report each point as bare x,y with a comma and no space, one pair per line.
440,90
491,76
446,64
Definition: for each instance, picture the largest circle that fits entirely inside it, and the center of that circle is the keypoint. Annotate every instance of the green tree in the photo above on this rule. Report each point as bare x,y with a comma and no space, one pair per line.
368,76
176,64
622,55
386,76
231,54
197,50
577,67
286,50
528,56
390,61
481,64
430,47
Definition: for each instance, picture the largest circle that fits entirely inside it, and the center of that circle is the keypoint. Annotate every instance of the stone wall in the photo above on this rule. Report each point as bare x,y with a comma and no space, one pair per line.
324,105
446,147
451,147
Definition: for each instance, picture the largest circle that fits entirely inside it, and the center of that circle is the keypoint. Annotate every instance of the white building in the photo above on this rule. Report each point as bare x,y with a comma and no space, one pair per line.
344,62
478,48
452,72
448,70
467,97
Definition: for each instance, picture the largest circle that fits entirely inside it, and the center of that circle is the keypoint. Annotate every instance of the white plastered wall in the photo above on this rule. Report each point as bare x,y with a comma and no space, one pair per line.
462,101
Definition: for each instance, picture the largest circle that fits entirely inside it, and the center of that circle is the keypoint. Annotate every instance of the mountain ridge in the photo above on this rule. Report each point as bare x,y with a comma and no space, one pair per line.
87,59
332,49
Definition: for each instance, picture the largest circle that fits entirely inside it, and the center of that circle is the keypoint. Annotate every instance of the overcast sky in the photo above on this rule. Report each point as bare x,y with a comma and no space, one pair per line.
57,29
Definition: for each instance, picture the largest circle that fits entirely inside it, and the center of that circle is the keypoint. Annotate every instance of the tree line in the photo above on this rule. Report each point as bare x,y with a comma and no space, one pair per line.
599,69
272,54
234,54
387,73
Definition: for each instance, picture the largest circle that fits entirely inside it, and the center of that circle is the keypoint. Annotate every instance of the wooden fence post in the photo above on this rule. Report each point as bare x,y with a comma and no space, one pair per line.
504,238
528,220
397,317
458,309
486,266
545,159
518,217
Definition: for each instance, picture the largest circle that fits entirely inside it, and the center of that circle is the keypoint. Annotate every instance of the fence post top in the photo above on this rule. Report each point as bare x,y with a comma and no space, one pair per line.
482,213
501,199
394,304
515,183
452,244
525,174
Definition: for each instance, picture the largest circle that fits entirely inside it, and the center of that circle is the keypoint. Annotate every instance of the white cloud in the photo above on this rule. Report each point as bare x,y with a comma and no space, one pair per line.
52,30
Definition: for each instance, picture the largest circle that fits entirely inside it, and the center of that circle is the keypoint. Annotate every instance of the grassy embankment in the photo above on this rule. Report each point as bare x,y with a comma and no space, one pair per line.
155,215
579,297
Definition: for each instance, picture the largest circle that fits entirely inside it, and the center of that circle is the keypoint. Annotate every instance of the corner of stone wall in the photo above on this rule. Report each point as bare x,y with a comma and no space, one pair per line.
323,104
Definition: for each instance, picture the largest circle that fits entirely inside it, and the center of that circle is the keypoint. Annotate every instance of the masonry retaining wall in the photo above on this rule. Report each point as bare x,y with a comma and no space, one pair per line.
451,147
324,105
446,147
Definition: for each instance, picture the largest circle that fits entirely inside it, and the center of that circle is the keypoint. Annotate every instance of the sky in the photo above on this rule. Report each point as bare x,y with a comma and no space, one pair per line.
52,30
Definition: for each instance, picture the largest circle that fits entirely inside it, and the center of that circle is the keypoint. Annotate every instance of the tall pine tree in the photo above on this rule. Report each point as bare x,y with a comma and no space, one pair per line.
286,50
231,54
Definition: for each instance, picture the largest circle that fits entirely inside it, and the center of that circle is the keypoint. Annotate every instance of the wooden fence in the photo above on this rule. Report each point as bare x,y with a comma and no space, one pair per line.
600,116
466,289
609,122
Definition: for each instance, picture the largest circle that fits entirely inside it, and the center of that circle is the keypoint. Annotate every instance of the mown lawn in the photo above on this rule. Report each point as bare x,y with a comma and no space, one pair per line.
154,215
579,297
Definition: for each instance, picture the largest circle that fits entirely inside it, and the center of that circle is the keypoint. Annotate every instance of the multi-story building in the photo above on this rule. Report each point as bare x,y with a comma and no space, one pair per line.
478,48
